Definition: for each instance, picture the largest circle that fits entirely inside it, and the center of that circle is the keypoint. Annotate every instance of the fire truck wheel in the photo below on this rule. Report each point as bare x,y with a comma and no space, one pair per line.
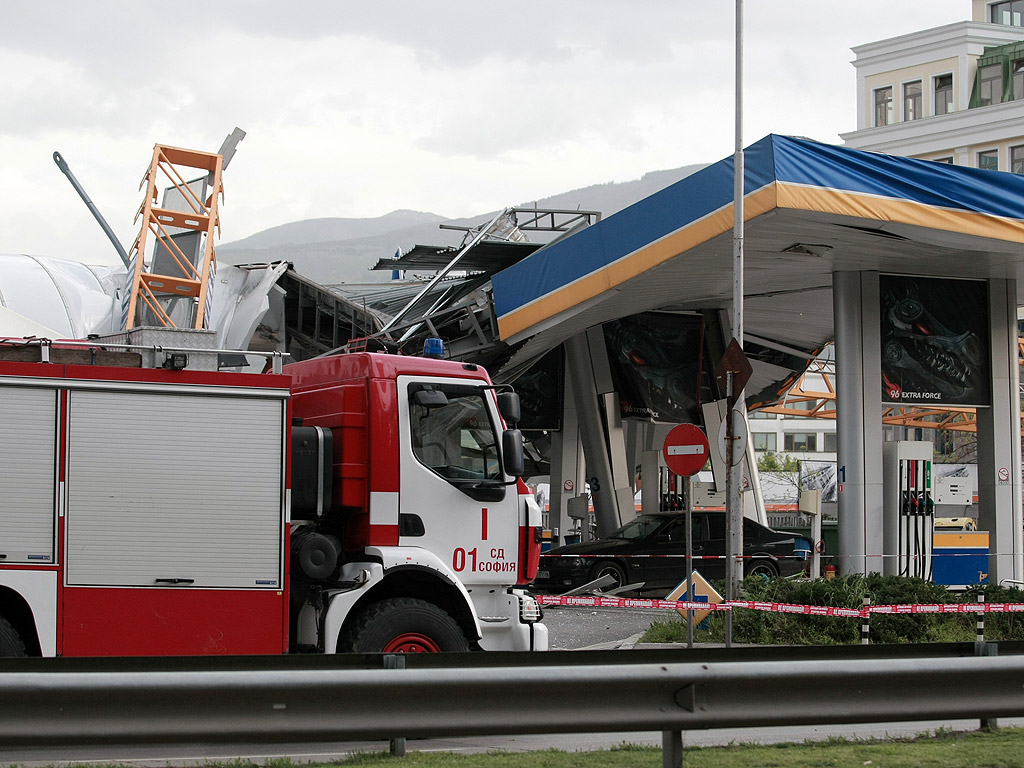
402,625
10,643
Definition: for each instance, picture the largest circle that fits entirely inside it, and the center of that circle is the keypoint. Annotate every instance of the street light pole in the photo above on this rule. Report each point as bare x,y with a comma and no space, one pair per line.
734,477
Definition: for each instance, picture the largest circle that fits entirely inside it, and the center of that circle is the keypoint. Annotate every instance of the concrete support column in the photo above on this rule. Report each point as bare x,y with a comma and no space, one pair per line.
567,465
999,435
859,421
583,376
650,492
634,431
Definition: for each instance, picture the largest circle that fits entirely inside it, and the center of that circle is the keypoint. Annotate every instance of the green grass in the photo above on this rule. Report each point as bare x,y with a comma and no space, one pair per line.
1002,748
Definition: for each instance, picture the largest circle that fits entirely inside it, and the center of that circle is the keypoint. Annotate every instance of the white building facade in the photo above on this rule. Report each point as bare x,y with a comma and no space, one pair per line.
952,94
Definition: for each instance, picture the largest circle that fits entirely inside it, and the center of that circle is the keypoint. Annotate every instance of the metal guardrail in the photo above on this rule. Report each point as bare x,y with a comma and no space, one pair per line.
105,705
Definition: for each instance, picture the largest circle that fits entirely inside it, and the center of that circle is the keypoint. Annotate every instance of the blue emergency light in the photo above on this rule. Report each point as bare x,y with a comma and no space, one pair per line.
433,347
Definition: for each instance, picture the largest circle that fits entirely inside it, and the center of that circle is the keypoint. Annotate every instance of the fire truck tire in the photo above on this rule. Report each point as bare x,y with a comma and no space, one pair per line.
10,642
402,625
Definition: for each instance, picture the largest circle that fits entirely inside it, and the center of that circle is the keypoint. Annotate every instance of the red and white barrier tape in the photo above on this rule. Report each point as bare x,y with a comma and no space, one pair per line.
797,556
801,554
755,605
624,602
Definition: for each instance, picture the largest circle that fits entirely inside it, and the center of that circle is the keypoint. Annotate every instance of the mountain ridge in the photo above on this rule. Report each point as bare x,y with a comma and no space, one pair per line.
327,229
333,250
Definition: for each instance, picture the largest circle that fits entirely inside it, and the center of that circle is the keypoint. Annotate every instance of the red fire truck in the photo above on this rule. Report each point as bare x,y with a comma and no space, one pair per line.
151,504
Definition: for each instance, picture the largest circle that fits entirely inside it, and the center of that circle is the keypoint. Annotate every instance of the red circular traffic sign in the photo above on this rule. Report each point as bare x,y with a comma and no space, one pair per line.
685,449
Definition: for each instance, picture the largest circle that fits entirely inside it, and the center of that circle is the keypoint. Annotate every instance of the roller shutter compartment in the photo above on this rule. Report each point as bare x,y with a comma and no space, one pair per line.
28,426
168,489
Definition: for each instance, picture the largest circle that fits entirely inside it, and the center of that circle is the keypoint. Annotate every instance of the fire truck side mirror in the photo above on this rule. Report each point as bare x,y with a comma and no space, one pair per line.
508,405
512,452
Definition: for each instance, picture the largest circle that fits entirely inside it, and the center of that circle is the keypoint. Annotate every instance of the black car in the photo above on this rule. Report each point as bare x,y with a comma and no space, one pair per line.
652,549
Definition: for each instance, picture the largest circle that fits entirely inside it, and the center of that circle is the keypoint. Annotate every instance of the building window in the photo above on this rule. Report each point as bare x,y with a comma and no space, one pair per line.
1017,159
1009,13
943,94
803,405
1017,70
912,100
989,160
883,106
765,441
801,441
762,415
946,160
831,444
990,79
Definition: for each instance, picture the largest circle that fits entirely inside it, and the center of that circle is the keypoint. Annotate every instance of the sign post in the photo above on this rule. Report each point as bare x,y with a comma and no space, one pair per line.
732,374
686,452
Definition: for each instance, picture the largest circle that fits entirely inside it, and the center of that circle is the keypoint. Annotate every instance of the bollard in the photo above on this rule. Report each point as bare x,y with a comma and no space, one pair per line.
865,622
981,648
981,619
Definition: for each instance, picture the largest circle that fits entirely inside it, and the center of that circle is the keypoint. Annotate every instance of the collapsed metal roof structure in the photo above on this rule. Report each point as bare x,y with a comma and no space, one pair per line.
448,293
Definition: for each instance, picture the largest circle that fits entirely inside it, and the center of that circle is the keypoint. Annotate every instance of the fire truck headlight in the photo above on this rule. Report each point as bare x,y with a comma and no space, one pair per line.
529,609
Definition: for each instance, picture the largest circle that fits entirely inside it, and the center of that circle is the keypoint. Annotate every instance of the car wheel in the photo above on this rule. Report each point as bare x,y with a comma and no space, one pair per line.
608,568
764,568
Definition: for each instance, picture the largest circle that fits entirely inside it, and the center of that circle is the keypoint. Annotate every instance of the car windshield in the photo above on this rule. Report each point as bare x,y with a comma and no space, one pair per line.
640,528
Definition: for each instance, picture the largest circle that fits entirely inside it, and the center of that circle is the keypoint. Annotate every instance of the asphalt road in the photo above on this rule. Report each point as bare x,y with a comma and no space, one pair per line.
573,628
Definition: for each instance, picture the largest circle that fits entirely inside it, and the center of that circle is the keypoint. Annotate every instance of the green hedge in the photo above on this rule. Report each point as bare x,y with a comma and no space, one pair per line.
769,628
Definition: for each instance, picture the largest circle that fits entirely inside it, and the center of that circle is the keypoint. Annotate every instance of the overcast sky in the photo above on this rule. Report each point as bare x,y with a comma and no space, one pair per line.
355,109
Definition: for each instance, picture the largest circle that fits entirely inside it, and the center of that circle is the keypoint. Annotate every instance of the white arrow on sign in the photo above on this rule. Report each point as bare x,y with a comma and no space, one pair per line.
685,450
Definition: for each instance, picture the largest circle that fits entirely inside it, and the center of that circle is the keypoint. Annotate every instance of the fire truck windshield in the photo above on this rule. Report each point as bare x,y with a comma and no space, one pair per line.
457,440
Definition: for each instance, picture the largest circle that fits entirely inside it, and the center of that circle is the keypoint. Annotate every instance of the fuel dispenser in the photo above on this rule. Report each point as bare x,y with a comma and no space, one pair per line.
908,508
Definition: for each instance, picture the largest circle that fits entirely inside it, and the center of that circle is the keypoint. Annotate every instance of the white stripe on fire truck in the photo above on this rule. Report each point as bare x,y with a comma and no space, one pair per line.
383,508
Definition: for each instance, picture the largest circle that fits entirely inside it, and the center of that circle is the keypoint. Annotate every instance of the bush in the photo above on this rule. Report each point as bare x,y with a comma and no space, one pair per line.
771,628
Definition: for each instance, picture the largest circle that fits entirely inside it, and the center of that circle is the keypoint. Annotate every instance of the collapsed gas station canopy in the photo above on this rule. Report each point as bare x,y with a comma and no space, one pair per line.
811,210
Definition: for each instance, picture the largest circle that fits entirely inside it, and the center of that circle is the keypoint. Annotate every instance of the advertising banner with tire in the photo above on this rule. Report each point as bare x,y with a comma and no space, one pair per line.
934,335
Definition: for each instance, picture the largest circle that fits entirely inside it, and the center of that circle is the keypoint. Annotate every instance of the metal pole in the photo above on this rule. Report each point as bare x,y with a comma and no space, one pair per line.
738,169
734,495
59,160
688,485
397,743
672,749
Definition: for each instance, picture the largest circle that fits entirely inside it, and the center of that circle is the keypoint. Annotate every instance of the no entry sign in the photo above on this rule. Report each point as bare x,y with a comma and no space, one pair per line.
685,450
